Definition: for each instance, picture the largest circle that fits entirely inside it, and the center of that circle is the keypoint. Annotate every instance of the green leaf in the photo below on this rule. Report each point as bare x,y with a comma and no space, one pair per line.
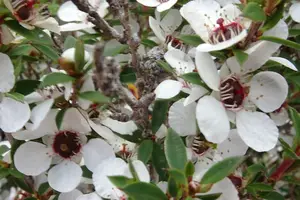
21,183
47,51
209,196
16,173
120,181
241,56
79,55
260,187
114,50
94,96
22,49
145,191
133,171
221,170
165,66
159,114
254,12
175,150
172,187
16,96
59,117
294,32
86,172
193,40
255,168
148,43
36,35
193,77
159,161
145,151
179,177
287,43
288,152
43,188
70,42
4,172
26,87
296,122
3,149
273,196
274,18
56,78
189,169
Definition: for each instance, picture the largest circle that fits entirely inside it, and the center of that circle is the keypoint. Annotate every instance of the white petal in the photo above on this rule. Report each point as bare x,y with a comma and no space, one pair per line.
295,11
33,97
182,118
91,196
196,93
73,120
88,85
207,70
140,169
167,5
284,62
102,184
69,55
280,118
50,24
76,26
6,35
231,11
222,45
7,77
257,130
171,21
149,3
227,189
212,119
268,90
13,114
95,151
40,111
281,30
65,176
232,146
168,89
180,61
69,12
47,127
123,128
157,30
73,195
32,158
162,132
103,131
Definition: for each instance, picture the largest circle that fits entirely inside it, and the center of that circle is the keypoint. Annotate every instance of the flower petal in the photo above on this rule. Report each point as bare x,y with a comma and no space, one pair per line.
212,119
65,10
65,176
166,5
168,89
32,158
268,90
40,111
280,118
257,130
196,93
91,196
50,24
222,45
232,146
180,61
95,151
123,128
102,184
157,30
171,21
284,62
227,189
75,26
149,3
207,70
88,85
7,77
140,169
73,195
182,118
73,120
13,114
295,11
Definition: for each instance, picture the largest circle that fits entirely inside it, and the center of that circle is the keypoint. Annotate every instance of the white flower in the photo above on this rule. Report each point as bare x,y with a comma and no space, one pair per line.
68,12
294,11
63,147
280,116
29,16
182,63
219,27
77,195
164,28
117,167
13,114
6,35
161,5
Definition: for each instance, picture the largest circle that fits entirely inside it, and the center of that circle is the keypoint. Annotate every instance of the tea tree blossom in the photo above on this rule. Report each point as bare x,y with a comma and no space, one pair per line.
294,11
64,147
219,27
161,5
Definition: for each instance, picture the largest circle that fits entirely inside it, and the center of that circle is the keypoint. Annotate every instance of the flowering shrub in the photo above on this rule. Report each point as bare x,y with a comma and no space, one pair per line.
149,99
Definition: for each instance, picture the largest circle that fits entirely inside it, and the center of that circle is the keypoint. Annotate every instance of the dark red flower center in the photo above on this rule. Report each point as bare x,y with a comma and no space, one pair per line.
225,32
232,93
199,146
177,44
66,144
